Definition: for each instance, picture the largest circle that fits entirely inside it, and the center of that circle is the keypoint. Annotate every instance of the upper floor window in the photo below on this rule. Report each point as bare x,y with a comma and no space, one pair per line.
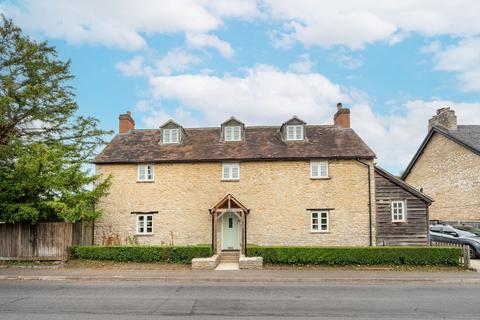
398,211
144,224
233,133
318,169
319,221
231,171
146,172
171,135
295,132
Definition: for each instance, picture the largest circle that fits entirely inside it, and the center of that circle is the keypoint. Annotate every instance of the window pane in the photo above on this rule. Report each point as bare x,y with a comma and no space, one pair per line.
314,215
298,132
323,169
290,133
314,169
166,135
315,226
228,133
226,172
149,230
174,135
324,226
234,172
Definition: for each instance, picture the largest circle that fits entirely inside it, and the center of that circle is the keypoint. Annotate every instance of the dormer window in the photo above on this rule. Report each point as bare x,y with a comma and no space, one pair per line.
170,135
295,132
293,129
232,130
233,133
171,132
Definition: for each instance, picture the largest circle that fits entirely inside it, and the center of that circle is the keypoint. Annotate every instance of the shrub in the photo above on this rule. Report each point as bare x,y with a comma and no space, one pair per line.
414,256
168,254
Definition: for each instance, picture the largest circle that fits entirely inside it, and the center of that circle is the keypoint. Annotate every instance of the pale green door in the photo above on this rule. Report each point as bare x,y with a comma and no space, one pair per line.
230,231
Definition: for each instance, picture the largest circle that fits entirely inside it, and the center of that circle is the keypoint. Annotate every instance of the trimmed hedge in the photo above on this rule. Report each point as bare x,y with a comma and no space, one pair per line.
167,254
413,256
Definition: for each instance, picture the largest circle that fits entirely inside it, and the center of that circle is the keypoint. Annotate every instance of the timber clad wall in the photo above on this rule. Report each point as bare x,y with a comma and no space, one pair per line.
450,174
278,193
412,232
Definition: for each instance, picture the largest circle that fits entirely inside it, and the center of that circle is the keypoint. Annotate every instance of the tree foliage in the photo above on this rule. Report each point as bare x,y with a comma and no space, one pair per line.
44,146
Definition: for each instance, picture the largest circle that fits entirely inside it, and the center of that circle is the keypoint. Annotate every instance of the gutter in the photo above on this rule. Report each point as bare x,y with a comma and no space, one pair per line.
369,201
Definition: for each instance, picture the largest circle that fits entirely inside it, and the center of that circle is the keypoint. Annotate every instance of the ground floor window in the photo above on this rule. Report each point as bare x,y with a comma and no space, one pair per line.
319,221
144,224
398,211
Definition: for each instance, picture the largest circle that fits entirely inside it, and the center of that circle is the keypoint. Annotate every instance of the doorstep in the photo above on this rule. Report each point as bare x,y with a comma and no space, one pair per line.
224,266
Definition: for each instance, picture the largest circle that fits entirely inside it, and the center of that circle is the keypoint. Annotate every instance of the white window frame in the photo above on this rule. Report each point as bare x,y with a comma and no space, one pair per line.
145,219
173,135
229,166
229,133
318,163
395,215
294,137
319,223
145,177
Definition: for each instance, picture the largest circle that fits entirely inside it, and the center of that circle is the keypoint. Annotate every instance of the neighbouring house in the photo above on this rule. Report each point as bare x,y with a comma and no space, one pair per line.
447,167
290,185
402,211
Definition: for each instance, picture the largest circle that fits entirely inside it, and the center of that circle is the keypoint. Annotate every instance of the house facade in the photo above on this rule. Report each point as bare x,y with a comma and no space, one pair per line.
447,167
229,186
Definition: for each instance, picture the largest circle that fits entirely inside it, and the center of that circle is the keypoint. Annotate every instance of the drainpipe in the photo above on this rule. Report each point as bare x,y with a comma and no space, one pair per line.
245,236
369,200
213,235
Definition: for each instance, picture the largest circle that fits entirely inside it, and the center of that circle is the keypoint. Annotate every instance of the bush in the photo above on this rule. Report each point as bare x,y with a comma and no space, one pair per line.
166,254
413,256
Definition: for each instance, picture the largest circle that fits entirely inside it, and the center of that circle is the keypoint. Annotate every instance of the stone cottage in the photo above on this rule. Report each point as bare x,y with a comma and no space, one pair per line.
294,184
447,167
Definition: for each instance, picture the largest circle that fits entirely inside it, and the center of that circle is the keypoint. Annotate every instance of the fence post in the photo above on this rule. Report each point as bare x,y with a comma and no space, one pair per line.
466,255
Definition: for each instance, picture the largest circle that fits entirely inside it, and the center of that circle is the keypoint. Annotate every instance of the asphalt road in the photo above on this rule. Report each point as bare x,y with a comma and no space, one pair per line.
156,300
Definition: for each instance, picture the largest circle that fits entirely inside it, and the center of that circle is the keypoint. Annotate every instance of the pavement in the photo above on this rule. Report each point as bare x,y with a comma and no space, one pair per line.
135,300
327,275
475,264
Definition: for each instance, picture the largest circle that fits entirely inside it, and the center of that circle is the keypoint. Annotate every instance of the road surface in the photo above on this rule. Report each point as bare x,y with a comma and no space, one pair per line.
156,300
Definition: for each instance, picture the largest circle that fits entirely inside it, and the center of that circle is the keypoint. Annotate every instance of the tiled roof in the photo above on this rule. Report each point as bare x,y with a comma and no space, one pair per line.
260,143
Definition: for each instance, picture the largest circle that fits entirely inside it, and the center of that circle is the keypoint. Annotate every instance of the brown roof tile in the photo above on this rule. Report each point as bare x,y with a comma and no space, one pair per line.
260,143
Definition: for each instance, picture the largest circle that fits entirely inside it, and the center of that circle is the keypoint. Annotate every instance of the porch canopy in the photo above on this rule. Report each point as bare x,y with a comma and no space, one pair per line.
226,205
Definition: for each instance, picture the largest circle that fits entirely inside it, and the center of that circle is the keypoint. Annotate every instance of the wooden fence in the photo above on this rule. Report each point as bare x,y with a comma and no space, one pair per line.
42,241
465,259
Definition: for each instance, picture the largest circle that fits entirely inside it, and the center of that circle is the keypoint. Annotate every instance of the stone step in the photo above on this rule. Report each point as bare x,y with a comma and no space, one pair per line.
229,256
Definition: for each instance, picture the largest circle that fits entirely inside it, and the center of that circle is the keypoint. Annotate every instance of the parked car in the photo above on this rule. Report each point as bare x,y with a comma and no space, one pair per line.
447,233
470,229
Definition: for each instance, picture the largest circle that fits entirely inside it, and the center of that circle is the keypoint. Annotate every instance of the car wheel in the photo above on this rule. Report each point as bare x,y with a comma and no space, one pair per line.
473,254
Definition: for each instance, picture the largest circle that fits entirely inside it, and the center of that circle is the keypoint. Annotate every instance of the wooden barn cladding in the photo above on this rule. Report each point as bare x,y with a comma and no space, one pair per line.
412,226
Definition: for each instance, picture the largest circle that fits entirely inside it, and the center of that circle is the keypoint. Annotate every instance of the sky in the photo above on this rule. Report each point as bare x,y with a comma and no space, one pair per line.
393,63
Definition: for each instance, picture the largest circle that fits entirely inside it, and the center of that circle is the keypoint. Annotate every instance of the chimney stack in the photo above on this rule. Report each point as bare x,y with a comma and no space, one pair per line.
126,122
445,118
342,117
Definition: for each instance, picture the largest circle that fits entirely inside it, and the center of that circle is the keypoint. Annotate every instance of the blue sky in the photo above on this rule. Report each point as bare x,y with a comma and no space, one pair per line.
198,62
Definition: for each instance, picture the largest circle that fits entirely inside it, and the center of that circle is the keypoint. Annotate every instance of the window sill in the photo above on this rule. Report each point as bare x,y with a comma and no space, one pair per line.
230,180
399,221
145,181
319,232
144,234
320,178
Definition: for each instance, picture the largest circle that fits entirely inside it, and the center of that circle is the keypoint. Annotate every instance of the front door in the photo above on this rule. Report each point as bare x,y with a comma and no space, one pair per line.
229,231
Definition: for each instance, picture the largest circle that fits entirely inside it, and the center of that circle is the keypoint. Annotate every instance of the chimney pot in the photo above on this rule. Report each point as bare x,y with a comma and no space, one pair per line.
342,117
125,122
445,117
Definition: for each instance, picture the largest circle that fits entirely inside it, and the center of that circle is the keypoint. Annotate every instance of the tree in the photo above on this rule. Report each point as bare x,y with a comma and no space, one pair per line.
43,146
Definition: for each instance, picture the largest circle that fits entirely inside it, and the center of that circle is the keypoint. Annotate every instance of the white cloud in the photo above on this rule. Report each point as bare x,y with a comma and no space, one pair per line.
302,65
264,95
346,60
123,23
463,59
354,24
132,68
202,40
177,60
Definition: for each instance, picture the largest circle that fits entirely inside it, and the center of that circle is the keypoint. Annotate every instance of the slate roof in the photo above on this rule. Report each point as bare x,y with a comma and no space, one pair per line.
467,136
260,143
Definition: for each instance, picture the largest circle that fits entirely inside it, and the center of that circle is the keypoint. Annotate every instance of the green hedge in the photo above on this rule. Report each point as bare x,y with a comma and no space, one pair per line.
413,256
166,254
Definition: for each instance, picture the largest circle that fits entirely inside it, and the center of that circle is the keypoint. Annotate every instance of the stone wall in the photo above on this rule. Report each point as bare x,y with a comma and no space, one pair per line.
278,193
450,174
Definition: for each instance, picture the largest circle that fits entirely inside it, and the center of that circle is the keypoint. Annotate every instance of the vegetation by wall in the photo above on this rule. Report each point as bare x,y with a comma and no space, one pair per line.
413,256
165,254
